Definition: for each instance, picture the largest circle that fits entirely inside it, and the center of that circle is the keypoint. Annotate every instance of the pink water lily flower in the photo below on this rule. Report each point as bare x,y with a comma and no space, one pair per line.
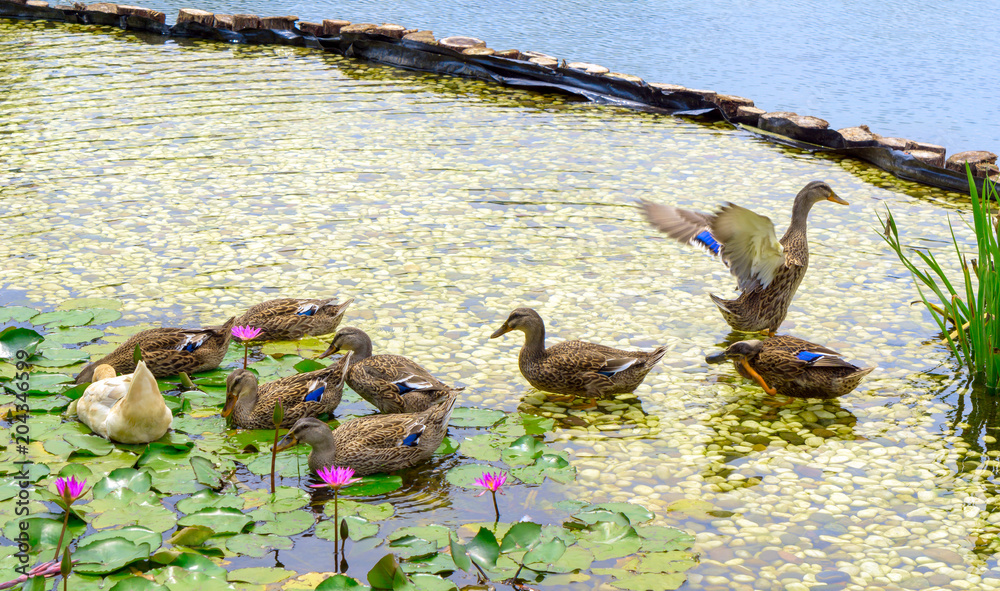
491,482
70,489
335,477
246,333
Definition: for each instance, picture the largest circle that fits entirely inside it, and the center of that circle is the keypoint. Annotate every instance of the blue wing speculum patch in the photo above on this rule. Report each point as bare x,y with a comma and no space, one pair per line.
705,238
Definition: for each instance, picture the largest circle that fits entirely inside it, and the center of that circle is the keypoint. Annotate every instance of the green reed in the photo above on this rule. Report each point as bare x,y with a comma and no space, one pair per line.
967,317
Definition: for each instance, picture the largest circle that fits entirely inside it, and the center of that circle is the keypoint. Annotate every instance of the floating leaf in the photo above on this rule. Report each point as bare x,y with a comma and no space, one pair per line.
204,499
192,535
89,445
357,528
108,555
466,474
260,574
222,519
133,583
104,316
16,314
606,511
14,339
523,535
308,365
658,538
464,416
438,534
485,447
650,582
64,336
611,540
448,445
59,357
375,484
257,546
368,511
132,533
524,450
339,583
285,498
407,545
545,554
549,465
120,480
459,554
484,549
64,318
205,472
520,424
426,582
386,573
282,524
78,303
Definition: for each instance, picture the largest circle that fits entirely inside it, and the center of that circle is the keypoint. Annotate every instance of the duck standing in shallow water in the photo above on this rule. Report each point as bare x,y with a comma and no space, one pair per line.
793,367
289,319
389,382
768,270
576,368
302,395
376,443
126,409
168,351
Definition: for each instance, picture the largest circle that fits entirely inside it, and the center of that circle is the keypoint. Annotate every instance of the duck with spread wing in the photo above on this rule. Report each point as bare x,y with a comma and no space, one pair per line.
768,270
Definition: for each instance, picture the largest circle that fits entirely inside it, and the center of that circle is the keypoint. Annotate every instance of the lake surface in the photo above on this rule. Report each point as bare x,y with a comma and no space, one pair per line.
920,70
191,180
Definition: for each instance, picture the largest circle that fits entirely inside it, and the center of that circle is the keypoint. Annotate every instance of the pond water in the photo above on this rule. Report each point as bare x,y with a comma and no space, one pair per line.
191,180
906,69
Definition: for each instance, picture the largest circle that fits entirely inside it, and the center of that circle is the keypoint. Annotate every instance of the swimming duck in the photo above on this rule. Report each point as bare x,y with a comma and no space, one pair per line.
793,367
303,395
767,270
375,443
289,319
126,409
168,351
390,382
575,367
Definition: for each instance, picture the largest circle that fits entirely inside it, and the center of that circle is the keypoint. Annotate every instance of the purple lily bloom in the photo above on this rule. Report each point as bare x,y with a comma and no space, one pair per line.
70,489
246,333
491,482
335,477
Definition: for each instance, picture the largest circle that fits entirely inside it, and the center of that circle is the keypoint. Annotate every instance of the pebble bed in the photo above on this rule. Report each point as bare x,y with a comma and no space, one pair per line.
190,180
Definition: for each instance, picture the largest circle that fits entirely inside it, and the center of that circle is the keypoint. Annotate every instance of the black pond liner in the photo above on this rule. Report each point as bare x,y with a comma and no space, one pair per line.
425,57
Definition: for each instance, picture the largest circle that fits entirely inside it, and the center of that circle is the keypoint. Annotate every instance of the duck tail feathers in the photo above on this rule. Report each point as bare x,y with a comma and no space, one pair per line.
656,356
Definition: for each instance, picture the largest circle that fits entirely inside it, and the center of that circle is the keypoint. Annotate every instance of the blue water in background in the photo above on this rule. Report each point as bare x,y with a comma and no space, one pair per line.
928,71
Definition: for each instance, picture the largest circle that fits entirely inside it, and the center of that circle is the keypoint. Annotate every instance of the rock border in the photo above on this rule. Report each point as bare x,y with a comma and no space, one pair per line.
413,49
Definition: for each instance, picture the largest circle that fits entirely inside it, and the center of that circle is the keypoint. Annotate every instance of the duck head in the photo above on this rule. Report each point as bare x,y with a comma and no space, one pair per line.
350,339
738,352
525,320
239,384
306,430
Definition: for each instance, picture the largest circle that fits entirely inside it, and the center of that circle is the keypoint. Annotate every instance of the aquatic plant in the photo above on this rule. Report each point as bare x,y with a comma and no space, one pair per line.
70,490
245,334
65,568
492,483
973,333
336,478
279,415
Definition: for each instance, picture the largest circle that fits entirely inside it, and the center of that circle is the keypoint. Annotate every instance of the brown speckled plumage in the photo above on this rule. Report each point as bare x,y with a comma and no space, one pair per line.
393,384
768,274
168,351
776,361
283,320
252,406
376,443
576,368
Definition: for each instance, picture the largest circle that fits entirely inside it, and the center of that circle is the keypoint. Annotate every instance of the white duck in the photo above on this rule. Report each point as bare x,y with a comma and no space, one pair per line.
126,409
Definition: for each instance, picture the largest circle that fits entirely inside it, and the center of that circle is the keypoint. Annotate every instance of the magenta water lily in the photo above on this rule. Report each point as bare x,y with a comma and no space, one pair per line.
245,334
492,482
335,477
70,490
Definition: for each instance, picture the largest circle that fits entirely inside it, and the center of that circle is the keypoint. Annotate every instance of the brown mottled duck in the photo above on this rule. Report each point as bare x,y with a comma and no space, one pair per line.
793,367
302,395
289,319
576,368
389,382
168,351
767,270
375,443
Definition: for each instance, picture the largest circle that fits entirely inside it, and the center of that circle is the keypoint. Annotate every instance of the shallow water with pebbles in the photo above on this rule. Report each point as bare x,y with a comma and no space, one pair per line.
192,180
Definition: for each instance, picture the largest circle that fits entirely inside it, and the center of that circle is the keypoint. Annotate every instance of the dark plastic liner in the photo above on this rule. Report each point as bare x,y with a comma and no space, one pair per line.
424,57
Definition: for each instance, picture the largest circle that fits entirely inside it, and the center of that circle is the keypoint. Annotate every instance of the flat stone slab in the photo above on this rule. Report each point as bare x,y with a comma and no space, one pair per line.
981,162
857,137
805,128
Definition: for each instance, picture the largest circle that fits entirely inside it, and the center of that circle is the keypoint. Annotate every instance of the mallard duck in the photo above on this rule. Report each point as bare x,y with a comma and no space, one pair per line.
289,319
126,409
575,367
375,443
168,351
390,382
303,395
767,270
793,367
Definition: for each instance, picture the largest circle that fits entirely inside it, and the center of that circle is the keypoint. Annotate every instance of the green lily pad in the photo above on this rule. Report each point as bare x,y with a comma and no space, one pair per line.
459,554
262,575
524,450
466,474
485,447
357,528
340,583
448,445
520,424
523,535
407,546
386,574
426,582
371,512
108,555
257,546
605,511
438,534
549,465
59,357
75,392
205,472
575,559
375,484
192,535
48,383
135,534
120,480
610,540
204,499
308,365
660,562
64,336
89,445
104,316
63,318
16,314
285,498
78,303
464,416
650,582
282,524
221,519
435,562
484,549
545,554
43,529
14,339
145,514
133,583
658,538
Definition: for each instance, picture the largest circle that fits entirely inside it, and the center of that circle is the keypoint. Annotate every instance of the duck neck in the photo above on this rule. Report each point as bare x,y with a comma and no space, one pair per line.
800,215
143,395
246,402
534,341
363,350
323,453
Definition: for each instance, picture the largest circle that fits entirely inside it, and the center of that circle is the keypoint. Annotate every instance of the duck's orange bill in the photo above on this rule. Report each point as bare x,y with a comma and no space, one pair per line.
230,406
286,442
759,379
836,199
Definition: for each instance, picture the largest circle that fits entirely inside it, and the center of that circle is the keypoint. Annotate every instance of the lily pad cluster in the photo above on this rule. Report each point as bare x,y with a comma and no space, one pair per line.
180,510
